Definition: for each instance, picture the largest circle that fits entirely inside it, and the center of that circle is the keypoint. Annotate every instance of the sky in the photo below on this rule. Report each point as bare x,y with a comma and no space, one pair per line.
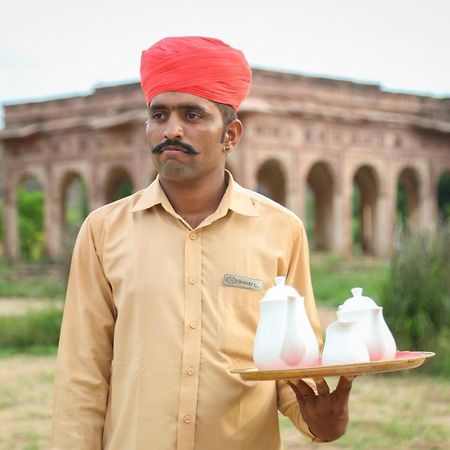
52,49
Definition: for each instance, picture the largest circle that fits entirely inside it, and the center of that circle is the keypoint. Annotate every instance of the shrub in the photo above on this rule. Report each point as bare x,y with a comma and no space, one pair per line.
36,329
32,280
416,296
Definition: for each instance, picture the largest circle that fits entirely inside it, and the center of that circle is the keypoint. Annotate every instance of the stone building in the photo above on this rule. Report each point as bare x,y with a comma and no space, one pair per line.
305,138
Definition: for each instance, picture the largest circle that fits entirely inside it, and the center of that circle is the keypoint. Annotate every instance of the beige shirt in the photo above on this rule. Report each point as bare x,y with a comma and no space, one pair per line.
150,330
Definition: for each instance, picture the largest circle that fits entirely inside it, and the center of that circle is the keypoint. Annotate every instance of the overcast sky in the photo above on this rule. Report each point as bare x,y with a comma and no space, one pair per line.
51,48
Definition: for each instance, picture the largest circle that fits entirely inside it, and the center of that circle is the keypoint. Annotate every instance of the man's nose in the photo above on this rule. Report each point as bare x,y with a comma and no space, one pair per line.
173,129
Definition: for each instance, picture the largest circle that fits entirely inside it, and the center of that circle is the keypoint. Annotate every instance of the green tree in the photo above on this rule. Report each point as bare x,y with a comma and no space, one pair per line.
124,189
1,222
444,196
31,223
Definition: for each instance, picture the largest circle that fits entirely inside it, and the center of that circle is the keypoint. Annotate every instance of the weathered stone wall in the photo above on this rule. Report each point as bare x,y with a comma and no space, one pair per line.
301,134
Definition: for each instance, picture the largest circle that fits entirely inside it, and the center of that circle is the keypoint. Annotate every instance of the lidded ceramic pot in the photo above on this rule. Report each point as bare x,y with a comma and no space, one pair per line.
343,344
284,336
373,329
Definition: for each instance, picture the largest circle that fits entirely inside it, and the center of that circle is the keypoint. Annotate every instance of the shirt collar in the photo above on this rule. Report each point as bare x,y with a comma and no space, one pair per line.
235,198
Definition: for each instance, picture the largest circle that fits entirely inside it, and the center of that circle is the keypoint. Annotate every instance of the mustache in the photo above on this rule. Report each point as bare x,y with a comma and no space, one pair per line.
169,143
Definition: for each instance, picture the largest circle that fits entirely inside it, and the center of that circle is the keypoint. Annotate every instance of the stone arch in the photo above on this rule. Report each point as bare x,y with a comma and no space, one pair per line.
443,196
74,204
408,198
272,181
366,187
30,203
118,184
319,205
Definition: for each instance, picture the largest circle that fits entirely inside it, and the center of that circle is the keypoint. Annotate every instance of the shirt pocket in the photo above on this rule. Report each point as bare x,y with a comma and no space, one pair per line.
238,314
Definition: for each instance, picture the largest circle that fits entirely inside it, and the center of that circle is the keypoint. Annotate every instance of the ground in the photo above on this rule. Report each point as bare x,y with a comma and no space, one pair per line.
407,410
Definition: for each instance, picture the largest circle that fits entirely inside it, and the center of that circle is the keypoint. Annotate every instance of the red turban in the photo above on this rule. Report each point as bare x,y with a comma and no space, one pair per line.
201,66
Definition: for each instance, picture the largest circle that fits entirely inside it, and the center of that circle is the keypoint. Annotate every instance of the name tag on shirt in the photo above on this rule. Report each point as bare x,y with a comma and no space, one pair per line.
243,282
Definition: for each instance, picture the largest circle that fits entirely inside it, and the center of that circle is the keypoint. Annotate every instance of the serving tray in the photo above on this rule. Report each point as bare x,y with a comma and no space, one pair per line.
403,360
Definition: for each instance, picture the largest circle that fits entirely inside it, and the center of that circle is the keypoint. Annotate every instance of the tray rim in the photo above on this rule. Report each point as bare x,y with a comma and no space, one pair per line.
411,360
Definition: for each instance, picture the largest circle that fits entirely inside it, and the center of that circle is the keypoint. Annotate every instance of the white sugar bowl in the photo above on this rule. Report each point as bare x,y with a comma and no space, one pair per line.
373,329
343,344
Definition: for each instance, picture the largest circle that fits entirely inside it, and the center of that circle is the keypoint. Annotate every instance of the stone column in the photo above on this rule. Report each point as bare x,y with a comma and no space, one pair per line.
434,207
384,224
53,221
296,191
344,213
337,237
11,232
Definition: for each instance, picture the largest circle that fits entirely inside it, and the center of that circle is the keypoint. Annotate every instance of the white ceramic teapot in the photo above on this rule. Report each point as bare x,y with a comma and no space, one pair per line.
284,337
375,333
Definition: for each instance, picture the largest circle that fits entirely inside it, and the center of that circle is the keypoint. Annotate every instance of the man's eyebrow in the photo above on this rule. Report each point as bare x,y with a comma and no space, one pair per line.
156,106
182,106
192,107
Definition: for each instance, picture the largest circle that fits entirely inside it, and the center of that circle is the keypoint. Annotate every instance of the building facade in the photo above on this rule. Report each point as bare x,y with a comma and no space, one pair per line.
304,138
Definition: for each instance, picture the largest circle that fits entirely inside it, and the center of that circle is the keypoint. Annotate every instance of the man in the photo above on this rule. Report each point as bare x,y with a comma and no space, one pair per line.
152,325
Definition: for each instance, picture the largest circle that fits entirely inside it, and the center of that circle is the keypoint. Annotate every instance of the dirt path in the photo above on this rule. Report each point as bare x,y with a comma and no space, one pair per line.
16,306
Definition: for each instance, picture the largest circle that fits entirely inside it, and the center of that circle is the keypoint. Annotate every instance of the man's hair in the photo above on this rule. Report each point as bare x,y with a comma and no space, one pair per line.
228,115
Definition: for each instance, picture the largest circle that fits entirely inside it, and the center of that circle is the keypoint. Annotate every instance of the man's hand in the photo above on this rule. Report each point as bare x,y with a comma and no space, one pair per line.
325,414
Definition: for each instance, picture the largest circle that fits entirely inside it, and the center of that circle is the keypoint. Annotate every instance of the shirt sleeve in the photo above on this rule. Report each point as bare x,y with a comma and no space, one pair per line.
85,351
299,276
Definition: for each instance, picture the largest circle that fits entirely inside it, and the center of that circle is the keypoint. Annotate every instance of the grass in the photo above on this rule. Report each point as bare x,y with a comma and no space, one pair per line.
25,402
31,281
409,410
333,277
406,410
36,332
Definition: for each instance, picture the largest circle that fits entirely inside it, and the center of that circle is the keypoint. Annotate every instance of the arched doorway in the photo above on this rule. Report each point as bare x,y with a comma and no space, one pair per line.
408,200
272,181
319,206
30,207
364,209
118,185
75,206
443,195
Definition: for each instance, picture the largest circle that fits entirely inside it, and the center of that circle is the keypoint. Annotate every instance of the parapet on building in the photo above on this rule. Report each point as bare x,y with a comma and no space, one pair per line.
304,136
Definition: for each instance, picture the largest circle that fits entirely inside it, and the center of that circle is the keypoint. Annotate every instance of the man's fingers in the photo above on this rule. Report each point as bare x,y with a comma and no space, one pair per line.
322,386
345,384
302,388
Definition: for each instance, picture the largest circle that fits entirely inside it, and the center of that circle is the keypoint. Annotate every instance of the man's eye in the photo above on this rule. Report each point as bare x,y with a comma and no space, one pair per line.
192,115
158,116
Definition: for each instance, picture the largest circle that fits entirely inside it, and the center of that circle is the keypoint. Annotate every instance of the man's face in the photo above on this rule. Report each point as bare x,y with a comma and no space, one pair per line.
184,133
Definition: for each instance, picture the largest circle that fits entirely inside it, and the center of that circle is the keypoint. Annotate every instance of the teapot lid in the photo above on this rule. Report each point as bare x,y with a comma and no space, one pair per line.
358,301
280,291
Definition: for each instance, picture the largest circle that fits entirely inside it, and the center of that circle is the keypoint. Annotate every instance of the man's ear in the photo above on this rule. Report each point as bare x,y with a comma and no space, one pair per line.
233,134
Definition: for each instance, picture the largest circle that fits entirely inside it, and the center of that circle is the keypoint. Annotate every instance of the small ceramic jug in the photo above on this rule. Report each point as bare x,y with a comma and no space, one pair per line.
374,331
284,337
343,344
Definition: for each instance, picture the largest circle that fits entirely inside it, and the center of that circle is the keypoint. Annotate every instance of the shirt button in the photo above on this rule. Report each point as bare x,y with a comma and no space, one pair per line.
190,371
193,235
187,419
193,280
193,324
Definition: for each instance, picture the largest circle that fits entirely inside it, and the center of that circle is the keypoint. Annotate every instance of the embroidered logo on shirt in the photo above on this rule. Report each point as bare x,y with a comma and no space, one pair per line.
242,282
